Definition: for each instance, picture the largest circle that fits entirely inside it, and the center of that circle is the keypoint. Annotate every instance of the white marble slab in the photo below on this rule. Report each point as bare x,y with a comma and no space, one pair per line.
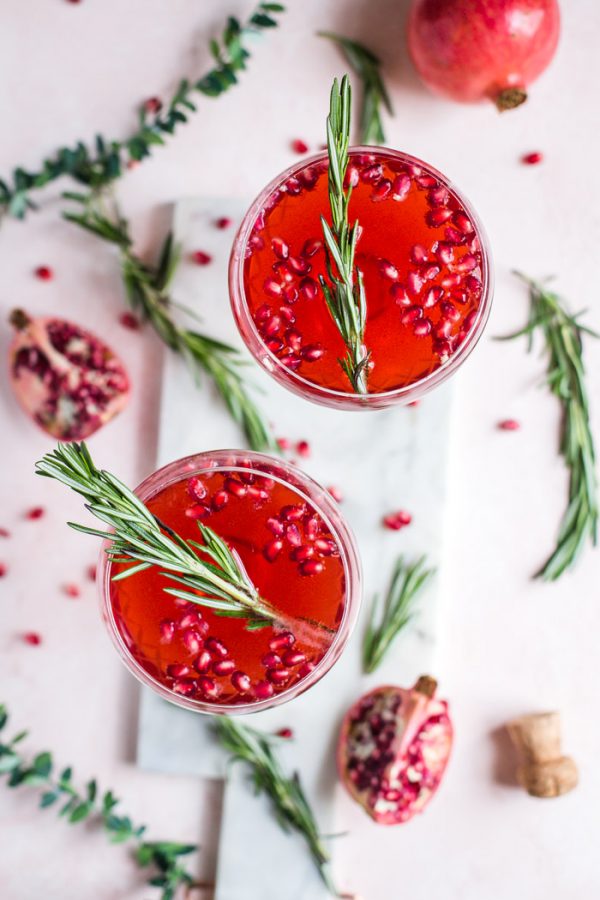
381,461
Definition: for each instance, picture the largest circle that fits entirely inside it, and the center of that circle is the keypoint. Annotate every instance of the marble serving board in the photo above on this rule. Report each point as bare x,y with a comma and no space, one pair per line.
381,461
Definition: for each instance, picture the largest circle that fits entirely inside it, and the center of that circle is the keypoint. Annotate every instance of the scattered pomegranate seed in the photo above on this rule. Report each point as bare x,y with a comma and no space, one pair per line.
303,449
153,105
263,690
335,493
284,443
133,163
72,590
4,532
281,641
414,403
299,146
33,638
201,258
35,513
128,320
532,159
223,223
44,273
509,425
91,573
286,733
241,682
396,521
3,570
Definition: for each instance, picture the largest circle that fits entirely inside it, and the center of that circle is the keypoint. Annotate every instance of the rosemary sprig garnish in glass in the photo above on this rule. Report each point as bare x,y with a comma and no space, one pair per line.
147,288
103,162
344,290
290,805
406,584
80,806
367,67
565,377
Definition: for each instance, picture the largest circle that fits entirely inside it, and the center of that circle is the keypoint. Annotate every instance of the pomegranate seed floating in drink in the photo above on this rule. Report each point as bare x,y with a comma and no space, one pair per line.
292,542
425,264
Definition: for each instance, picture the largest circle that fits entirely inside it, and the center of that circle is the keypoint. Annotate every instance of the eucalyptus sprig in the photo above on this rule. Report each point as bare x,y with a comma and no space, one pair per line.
565,377
138,536
77,806
286,793
344,290
367,67
407,582
147,289
101,163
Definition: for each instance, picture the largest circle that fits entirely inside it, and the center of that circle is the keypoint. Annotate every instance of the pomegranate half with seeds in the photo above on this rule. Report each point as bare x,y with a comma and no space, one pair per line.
472,50
67,379
393,750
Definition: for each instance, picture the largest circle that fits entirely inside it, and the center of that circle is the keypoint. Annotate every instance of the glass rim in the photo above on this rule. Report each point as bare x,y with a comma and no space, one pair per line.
308,490
331,396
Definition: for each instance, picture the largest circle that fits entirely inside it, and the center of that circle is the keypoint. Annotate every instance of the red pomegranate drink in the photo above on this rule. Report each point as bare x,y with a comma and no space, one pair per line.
289,537
425,268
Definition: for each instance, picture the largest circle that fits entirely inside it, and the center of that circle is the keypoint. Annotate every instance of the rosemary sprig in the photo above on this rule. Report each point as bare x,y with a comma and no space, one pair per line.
78,806
290,805
565,377
147,289
406,583
344,293
367,66
102,162
138,535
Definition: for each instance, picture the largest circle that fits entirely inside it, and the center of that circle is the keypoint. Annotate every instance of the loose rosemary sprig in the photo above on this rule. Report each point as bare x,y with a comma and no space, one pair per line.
406,583
147,288
290,805
344,292
368,68
565,377
78,806
105,160
138,535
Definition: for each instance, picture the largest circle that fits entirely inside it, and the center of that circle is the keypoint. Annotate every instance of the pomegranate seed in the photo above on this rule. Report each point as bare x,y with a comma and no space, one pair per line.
272,550
72,590
241,682
33,638
474,244
167,631
91,573
449,311
299,265
303,449
286,733
223,223
292,513
235,487
312,246
178,670
275,526
473,283
312,352
198,511
325,547
439,215
387,269
299,146
311,567
400,295
290,361
351,177
306,669
191,640
414,283
223,667
422,328
271,660
443,329
302,553
35,513
293,339
280,248
203,662
470,320
532,159
309,288
290,293
129,321
372,174
381,191
312,528
293,536
3,570
336,493
293,658
444,252
509,425
443,349
281,641
5,533
287,313
209,687
263,690
462,222
44,273
451,280
217,647
183,686
418,254
220,500
153,105
411,314
201,258
283,272
196,488
400,187
278,676
430,272
396,521
439,196
190,620
272,287
453,235
263,313
257,493
466,263
308,177
272,326
426,181
432,296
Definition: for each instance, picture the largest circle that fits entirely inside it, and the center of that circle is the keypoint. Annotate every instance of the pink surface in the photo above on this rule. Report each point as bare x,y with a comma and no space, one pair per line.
509,645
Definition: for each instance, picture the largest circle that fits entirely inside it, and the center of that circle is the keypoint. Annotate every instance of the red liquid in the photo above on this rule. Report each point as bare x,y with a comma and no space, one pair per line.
162,632
421,261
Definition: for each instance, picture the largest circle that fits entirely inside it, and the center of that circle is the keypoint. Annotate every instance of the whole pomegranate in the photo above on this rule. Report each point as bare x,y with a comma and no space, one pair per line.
471,50
64,377
393,749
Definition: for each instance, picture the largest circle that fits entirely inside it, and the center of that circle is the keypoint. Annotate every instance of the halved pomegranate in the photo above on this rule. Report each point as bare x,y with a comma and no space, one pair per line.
393,750
64,377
